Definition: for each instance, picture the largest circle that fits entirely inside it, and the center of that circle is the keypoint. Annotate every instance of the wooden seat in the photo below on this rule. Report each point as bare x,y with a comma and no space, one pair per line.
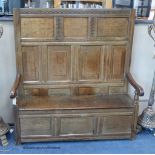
77,102
73,74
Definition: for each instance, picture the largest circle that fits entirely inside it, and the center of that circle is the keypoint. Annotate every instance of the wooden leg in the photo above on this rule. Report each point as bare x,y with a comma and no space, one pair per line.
18,141
136,109
4,140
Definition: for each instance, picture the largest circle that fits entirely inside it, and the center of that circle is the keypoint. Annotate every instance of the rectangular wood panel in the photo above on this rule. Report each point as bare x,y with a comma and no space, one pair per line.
37,28
119,53
114,62
112,27
116,124
36,91
35,126
93,90
89,62
77,125
75,27
59,91
41,123
59,63
117,90
31,62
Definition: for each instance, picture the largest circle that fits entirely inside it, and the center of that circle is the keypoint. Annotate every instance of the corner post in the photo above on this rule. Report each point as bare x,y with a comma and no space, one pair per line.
136,111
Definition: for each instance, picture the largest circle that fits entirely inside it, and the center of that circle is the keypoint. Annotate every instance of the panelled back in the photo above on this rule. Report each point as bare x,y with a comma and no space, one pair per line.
73,52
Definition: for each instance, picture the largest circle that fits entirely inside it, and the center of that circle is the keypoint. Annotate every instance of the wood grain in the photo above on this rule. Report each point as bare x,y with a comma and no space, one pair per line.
72,27
59,63
76,102
30,59
37,27
112,27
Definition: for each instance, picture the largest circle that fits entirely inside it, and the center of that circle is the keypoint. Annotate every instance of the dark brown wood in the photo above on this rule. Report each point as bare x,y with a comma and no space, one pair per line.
13,92
73,64
137,87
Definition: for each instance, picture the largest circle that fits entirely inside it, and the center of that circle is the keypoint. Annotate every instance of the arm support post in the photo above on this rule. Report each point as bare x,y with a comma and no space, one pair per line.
139,90
13,92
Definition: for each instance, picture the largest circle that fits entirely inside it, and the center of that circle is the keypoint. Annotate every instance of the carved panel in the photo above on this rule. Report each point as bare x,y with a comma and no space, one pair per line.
75,27
37,28
89,62
92,30
31,60
59,63
59,28
112,27
114,62
81,12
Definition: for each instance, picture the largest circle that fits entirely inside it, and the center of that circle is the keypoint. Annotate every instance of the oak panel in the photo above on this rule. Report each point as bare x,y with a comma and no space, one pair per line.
119,53
93,90
77,126
59,91
36,91
35,123
30,63
114,63
112,27
34,126
89,62
37,28
117,90
116,124
75,27
59,63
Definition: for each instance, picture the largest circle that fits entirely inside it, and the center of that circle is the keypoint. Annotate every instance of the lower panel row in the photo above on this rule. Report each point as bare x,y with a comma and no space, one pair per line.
75,125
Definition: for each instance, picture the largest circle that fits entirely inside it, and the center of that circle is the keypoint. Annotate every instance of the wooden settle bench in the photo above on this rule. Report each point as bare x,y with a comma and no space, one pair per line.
73,75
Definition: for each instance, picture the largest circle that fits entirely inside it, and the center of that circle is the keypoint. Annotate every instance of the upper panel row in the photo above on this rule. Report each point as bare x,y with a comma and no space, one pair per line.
74,27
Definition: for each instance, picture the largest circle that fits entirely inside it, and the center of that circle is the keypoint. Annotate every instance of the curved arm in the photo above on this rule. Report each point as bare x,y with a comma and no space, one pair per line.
138,88
13,92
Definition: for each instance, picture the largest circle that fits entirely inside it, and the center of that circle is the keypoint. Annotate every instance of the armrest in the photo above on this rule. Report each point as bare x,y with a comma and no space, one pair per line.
138,88
13,92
